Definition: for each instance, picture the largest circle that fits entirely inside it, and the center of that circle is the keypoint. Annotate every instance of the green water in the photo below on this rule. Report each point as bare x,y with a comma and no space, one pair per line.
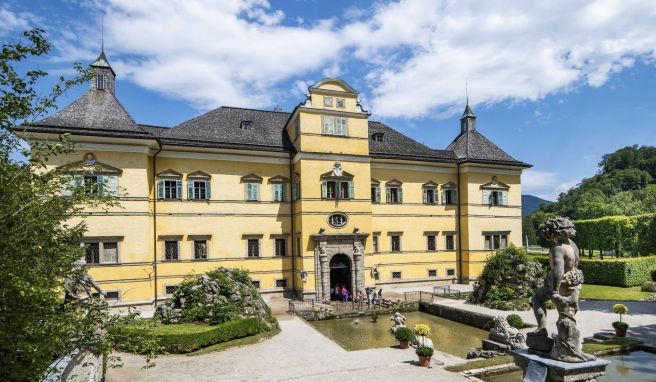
638,366
361,333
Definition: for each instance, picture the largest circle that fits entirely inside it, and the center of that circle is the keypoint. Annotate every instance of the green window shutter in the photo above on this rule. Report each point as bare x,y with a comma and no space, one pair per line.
454,196
400,194
351,189
425,196
190,189
388,195
178,186
443,196
486,196
208,190
377,194
504,198
160,189
324,190
111,185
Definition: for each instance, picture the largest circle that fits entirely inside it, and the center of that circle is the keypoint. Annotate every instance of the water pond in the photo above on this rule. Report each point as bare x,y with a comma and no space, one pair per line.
361,333
637,366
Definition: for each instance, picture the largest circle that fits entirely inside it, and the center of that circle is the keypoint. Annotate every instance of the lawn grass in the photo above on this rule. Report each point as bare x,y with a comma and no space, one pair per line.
236,343
592,348
480,363
605,292
614,343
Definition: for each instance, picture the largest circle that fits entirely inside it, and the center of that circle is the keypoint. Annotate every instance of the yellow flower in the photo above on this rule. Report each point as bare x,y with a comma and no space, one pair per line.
422,330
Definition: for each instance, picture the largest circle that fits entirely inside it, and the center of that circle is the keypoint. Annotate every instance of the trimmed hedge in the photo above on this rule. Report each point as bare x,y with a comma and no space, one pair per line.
623,272
634,234
185,338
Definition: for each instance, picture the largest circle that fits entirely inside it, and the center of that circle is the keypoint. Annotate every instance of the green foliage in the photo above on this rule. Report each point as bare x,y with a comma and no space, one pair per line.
424,351
235,298
40,246
648,287
620,309
404,334
515,321
624,272
508,280
633,234
185,338
620,325
625,185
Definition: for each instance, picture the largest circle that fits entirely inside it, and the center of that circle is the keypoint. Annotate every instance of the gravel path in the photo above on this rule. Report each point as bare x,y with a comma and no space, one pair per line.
298,353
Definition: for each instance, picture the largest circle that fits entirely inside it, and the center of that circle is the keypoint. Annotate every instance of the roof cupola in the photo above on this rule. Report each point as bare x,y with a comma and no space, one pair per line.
468,119
103,75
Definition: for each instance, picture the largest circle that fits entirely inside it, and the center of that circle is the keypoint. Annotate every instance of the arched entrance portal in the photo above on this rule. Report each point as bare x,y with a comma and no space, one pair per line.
340,273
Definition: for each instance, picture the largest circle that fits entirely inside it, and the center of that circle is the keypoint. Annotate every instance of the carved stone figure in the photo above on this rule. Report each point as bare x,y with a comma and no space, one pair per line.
399,321
503,333
337,169
424,341
79,281
562,286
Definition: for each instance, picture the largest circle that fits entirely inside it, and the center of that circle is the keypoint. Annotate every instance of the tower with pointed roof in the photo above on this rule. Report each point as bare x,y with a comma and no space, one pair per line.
468,119
104,78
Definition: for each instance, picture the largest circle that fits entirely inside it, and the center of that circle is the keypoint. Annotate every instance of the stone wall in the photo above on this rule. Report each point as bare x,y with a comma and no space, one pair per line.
76,367
479,320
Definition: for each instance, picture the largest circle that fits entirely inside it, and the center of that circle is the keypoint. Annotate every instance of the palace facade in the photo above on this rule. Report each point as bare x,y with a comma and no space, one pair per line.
302,200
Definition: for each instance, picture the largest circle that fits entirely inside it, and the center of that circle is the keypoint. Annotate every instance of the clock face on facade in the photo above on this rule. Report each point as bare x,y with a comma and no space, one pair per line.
337,220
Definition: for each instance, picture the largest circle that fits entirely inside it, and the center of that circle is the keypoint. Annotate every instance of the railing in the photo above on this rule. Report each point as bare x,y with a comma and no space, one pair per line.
297,305
419,296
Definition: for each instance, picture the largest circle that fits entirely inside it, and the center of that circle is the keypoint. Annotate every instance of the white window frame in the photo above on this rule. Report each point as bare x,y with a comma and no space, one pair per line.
191,189
334,126
432,191
399,194
327,101
493,241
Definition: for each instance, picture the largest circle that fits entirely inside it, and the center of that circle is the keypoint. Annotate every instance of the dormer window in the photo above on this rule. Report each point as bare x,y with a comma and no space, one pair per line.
328,101
246,125
340,103
378,137
100,81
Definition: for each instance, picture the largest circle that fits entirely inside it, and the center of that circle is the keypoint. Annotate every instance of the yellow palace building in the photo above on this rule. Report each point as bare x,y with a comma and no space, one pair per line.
303,200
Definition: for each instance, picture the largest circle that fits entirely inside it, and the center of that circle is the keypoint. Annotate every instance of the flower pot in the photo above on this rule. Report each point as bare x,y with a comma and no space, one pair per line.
424,361
620,332
403,344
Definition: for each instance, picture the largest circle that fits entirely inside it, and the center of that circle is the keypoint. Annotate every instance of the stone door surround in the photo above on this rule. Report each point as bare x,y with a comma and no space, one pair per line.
326,246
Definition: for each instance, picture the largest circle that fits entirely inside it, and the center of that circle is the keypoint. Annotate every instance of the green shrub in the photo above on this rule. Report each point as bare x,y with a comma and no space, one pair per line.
634,234
424,351
549,304
648,287
508,280
620,325
185,338
404,334
626,272
515,321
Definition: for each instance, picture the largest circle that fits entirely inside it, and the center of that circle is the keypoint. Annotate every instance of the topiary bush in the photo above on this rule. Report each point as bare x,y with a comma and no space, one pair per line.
508,280
515,321
424,351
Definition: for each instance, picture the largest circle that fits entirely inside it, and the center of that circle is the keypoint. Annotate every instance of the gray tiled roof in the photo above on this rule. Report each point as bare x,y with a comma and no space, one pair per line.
397,145
474,147
222,128
96,111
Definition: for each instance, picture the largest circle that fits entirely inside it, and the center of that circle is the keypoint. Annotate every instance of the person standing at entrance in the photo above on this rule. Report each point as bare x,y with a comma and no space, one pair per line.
344,294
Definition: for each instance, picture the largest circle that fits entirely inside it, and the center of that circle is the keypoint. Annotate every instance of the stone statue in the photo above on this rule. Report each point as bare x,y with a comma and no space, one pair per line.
79,281
399,321
422,341
562,286
505,334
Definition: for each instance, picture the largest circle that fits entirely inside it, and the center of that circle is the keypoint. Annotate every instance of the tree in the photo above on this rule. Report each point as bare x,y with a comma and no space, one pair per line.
39,247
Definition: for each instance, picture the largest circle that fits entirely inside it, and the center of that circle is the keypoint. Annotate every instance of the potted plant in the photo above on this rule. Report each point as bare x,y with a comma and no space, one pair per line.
620,327
404,335
425,353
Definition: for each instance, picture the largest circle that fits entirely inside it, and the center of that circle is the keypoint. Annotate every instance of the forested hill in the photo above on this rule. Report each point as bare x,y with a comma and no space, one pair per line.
624,185
532,203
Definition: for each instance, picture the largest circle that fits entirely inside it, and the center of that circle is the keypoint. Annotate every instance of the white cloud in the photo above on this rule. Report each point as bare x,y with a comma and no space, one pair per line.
417,53
11,21
535,180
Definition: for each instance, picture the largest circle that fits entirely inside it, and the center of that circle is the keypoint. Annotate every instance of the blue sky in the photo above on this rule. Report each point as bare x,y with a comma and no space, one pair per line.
556,84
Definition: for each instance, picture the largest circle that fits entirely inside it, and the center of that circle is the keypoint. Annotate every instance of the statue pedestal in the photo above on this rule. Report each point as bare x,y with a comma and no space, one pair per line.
539,369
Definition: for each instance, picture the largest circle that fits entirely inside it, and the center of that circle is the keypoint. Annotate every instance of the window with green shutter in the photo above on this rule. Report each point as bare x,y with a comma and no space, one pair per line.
252,191
278,192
